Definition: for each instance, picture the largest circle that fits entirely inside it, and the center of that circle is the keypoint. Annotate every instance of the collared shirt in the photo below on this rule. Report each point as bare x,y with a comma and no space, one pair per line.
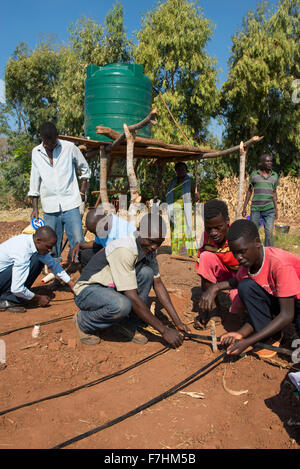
117,265
17,252
264,187
57,184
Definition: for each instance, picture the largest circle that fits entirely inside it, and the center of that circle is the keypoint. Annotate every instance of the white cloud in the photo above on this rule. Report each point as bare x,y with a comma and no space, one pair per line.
2,91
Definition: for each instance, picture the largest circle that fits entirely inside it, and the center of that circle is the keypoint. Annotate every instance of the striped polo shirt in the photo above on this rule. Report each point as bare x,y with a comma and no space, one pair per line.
263,190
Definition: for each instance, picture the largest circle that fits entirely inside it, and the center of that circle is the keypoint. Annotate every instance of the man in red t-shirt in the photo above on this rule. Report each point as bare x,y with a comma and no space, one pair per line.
268,284
215,261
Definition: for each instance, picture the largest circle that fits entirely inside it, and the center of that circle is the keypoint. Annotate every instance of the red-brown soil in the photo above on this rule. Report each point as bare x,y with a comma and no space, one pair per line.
57,361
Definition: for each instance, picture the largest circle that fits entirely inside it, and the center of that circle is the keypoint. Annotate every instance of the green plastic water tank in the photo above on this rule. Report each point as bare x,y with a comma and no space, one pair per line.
116,94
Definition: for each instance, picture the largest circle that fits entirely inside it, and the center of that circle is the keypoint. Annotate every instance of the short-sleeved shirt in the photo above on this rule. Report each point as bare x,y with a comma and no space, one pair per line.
117,265
264,188
279,274
223,252
17,252
57,184
118,228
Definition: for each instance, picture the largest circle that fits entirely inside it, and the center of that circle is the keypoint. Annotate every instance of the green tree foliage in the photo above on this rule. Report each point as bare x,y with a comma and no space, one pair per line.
171,47
15,167
257,96
30,81
47,83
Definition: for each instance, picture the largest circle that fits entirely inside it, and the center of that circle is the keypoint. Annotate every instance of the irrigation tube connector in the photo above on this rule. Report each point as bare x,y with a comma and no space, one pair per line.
144,406
90,384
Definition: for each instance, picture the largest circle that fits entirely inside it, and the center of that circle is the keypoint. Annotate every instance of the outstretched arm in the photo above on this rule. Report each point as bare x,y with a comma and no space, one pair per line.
171,336
165,300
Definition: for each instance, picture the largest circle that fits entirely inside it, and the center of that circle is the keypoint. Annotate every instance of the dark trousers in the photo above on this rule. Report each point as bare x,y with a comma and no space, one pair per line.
6,277
85,255
261,306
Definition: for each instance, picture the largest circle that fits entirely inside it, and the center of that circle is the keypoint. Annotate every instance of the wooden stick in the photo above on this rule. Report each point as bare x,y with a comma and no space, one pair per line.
252,140
213,335
243,153
110,133
134,128
104,156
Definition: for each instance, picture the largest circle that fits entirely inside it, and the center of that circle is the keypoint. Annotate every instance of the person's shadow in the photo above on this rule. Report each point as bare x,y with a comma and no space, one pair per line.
286,405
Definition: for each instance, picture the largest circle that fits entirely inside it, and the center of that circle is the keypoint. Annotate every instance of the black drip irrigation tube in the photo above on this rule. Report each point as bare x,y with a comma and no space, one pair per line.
189,380
261,345
90,384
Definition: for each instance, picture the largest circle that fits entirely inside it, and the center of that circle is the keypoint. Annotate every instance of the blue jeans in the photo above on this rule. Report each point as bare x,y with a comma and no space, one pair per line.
268,217
6,278
102,307
70,221
261,306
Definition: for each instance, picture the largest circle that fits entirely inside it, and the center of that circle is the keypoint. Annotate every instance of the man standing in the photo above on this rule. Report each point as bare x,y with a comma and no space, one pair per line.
53,178
264,181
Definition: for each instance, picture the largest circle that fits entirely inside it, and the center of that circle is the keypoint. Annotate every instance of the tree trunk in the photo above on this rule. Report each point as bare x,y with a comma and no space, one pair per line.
133,184
104,157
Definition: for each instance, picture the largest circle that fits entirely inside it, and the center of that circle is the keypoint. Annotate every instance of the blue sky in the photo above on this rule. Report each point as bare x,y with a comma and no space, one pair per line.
28,20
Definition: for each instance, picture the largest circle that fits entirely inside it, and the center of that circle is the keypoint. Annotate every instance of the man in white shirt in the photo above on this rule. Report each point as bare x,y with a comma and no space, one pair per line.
21,261
53,179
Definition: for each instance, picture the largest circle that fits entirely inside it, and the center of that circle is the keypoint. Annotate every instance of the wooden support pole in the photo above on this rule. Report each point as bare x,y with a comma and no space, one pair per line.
112,134
239,208
133,128
252,140
133,184
104,157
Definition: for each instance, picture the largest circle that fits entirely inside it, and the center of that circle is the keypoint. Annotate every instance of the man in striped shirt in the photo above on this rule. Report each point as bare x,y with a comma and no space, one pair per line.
264,182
